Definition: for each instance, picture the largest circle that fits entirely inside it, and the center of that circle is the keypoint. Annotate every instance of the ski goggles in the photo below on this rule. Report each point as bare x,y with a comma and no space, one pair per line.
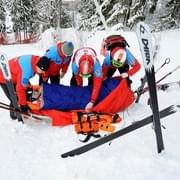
116,63
85,75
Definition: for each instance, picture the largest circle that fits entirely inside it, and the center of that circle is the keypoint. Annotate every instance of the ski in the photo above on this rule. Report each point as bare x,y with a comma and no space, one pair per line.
162,86
138,124
145,43
165,86
7,75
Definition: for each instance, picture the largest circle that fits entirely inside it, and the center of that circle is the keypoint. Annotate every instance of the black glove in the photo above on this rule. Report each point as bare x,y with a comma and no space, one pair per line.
29,92
24,108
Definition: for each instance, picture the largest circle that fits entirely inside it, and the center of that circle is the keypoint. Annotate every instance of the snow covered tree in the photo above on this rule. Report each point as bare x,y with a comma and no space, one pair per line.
171,15
2,16
115,12
28,15
136,12
88,17
165,16
52,14
66,15
127,13
23,16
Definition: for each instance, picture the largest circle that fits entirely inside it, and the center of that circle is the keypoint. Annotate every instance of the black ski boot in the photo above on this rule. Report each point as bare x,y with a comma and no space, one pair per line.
13,115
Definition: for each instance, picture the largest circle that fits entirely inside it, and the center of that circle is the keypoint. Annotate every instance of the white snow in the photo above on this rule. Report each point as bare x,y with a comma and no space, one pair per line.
32,151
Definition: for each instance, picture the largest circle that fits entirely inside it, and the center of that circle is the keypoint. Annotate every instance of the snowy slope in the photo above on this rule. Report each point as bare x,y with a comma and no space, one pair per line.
32,151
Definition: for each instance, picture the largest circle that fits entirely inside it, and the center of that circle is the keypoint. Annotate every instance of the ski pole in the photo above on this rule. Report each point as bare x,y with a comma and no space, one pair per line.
139,91
7,107
157,82
4,104
175,69
167,61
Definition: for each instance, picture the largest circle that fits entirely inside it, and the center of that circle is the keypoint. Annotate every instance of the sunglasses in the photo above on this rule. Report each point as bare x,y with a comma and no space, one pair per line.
116,63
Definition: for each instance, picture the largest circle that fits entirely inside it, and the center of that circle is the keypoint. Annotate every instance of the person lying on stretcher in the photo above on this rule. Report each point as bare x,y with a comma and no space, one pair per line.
66,98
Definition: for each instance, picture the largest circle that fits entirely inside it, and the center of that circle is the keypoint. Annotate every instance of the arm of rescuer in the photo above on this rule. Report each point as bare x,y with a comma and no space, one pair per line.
97,81
106,64
134,68
133,63
44,76
105,57
21,92
65,66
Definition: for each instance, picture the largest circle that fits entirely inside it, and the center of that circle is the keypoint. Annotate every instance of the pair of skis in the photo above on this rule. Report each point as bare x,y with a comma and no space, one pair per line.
145,42
7,75
138,124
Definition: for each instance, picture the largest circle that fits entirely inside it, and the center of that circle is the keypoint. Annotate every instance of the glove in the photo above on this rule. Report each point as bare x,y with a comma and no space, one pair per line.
89,106
24,108
124,75
29,92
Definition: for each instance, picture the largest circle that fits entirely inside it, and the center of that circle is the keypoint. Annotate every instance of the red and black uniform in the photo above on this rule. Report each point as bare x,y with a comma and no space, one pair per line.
85,62
59,62
22,69
130,64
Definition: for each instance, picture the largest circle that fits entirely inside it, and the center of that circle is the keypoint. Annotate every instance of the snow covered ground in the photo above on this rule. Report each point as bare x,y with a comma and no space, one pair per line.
32,151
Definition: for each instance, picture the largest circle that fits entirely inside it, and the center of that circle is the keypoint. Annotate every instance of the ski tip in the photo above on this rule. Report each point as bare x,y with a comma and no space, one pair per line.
65,155
3,56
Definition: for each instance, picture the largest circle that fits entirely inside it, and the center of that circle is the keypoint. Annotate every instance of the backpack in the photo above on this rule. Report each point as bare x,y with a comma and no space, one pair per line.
115,41
85,123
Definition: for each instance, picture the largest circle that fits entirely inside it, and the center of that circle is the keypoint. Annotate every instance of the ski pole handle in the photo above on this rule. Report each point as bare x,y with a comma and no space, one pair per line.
167,61
175,69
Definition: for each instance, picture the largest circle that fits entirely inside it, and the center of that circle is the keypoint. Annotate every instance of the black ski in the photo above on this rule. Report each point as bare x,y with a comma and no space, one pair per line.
7,75
145,43
165,86
138,124
162,86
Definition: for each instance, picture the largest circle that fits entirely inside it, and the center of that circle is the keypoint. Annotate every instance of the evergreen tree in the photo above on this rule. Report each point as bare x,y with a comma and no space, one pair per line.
23,15
160,14
2,16
50,12
88,17
27,15
171,18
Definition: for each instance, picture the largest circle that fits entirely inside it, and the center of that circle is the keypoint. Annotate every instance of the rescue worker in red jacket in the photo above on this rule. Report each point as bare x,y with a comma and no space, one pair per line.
22,69
121,59
60,56
86,65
